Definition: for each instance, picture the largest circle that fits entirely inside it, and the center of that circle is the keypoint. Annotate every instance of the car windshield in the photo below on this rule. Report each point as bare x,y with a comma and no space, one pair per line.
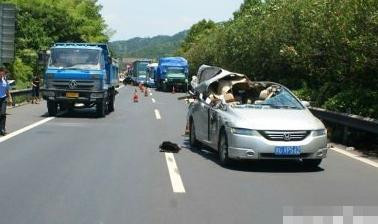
279,99
71,58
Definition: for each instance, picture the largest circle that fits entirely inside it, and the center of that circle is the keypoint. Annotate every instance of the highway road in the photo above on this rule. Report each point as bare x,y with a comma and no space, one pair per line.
76,168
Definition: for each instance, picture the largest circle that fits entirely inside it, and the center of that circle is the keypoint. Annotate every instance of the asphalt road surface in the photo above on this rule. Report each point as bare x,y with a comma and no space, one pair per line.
76,168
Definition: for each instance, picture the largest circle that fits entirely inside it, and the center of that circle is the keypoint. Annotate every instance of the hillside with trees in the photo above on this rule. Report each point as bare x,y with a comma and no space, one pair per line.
327,51
41,23
154,47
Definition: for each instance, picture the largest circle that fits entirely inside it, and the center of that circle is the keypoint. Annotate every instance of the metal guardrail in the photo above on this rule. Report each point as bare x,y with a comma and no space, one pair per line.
20,93
347,120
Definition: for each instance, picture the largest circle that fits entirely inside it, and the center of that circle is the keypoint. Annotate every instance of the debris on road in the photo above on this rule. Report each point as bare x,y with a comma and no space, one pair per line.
169,147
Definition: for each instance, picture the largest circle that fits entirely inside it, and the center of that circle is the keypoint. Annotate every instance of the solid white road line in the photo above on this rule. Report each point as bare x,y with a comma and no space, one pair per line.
157,114
177,185
153,100
25,129
356,157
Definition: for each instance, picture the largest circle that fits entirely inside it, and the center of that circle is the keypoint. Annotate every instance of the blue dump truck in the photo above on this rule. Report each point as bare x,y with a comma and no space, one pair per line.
172,72
80,75
139,72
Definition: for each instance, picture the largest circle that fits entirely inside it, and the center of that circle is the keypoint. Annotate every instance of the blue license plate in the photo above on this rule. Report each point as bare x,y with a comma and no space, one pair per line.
287,150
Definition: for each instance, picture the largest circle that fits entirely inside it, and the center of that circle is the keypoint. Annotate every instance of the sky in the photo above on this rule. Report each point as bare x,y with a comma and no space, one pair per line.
148,18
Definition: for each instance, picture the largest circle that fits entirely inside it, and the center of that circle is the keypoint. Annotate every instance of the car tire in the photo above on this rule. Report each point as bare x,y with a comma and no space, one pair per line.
311,163
224,160
192,135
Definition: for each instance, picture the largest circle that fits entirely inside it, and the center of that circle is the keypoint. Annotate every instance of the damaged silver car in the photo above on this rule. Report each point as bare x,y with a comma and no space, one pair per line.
244,119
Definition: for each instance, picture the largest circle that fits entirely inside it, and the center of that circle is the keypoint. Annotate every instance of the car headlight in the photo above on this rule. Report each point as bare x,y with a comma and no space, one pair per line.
166,80
319,132
243,131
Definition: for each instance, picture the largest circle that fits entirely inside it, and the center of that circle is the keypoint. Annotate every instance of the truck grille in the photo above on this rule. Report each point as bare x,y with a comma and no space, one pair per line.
285,135
80,84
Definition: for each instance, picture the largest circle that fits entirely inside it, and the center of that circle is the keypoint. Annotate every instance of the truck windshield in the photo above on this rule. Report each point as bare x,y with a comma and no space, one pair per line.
71,58
142,69
171,71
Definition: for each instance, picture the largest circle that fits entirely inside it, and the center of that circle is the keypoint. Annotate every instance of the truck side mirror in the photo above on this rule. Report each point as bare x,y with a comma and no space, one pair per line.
43,57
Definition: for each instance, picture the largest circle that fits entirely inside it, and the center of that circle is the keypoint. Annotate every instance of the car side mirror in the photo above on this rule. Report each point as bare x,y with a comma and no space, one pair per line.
305,103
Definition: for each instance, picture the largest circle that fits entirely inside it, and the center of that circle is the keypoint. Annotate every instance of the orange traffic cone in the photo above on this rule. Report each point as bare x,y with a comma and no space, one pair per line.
173,90
136,97
146,92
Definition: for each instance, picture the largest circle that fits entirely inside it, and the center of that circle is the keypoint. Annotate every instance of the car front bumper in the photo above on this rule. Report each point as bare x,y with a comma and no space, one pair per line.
258,147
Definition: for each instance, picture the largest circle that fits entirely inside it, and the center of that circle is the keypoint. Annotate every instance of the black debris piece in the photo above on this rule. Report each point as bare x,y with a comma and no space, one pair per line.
169,147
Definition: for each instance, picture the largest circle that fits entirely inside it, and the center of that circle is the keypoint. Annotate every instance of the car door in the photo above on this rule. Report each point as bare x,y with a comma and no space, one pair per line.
213,126
202,121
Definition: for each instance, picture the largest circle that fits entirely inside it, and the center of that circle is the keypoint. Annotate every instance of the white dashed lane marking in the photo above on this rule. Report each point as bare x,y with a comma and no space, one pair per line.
174,174
157,114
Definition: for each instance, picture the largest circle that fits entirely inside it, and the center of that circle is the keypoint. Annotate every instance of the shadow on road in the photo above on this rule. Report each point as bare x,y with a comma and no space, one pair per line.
76,113
269,166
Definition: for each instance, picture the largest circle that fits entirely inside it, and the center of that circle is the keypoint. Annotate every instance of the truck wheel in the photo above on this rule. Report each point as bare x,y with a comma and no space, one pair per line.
224,160
111,103
52,108
185,89
100,109
165,87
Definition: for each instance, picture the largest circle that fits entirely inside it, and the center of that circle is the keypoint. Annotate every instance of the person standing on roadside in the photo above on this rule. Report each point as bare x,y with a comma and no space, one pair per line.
35,88
4,96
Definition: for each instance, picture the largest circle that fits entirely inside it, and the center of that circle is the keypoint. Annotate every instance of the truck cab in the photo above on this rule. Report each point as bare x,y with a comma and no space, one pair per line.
139,72
80,73
151,72
172,72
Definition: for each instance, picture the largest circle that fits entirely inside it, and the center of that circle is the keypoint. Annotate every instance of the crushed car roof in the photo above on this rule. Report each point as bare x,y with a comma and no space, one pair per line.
209,74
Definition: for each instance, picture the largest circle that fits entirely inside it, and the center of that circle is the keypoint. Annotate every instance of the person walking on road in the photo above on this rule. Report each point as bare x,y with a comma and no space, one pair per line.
35,89
4,96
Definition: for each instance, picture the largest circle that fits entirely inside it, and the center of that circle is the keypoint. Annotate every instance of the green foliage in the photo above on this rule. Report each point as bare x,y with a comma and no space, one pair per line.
155,47
326,49
41,23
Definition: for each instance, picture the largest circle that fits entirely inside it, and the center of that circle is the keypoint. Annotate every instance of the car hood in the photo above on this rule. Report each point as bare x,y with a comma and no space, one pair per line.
276,119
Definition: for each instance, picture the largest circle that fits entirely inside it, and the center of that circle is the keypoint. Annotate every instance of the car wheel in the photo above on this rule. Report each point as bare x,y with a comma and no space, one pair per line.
311,163
192,135
223,150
